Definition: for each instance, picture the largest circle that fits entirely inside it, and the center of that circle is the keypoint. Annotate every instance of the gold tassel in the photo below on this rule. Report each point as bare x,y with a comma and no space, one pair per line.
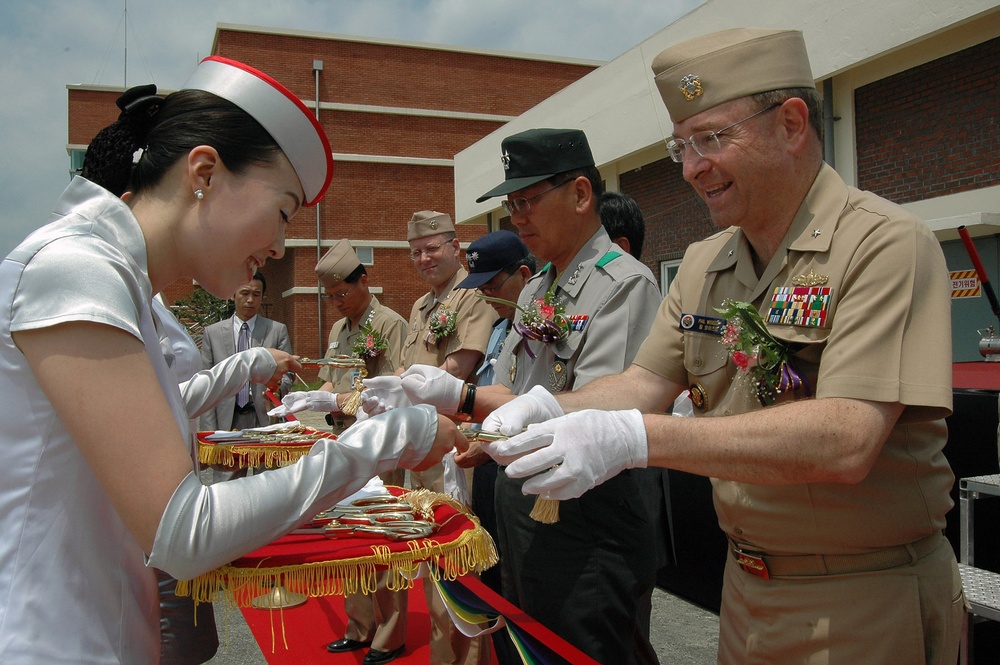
353,402
545,511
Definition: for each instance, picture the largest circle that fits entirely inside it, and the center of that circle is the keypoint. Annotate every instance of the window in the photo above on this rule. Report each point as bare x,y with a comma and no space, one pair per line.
668,270
76,161
366,255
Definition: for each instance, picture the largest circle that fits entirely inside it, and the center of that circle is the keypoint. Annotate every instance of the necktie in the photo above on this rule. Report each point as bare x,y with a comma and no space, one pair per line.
242,344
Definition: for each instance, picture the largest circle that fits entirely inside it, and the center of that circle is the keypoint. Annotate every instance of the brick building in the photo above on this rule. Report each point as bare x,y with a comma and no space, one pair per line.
912,114
396,113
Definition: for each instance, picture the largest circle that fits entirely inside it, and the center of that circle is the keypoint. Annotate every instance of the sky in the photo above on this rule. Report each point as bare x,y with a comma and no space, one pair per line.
47,44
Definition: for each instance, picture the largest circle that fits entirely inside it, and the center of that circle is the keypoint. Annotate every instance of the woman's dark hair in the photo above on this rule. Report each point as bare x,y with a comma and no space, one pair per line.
166,130
108,160
190,118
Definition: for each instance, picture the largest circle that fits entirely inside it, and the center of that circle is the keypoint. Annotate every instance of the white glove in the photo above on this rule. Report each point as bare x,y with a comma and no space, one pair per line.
535,406
311,400
589,447
206,526
383,393
425,384
208,387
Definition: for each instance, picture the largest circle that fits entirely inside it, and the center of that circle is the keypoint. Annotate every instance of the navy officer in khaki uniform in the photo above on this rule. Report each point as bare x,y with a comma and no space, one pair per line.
373,332
449,328
824,436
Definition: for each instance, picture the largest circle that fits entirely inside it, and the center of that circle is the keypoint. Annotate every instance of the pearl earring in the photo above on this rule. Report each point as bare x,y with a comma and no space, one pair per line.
198,194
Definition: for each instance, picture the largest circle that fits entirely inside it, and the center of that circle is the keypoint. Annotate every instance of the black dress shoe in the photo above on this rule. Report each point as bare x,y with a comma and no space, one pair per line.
346,644
376,657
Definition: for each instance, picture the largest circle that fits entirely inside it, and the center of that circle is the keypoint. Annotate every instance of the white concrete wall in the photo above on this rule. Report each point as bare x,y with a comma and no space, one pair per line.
856,41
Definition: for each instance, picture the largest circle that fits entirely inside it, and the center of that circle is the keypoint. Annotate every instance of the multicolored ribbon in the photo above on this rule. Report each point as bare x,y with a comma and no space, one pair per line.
471,601
545,332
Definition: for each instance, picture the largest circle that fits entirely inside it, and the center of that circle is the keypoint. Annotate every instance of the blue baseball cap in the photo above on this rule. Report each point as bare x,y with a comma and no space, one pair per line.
490,254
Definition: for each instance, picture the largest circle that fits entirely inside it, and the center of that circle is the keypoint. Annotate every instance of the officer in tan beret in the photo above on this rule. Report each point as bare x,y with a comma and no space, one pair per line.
820,391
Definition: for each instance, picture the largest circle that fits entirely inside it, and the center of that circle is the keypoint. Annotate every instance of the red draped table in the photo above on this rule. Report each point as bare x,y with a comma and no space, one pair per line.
314,565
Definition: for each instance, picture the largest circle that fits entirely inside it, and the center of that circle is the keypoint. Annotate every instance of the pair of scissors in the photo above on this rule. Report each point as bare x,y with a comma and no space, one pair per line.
384,515
392,530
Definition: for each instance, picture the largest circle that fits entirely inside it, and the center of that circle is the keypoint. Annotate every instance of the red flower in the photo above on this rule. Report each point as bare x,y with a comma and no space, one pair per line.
370,342
547,311
731,335
742,360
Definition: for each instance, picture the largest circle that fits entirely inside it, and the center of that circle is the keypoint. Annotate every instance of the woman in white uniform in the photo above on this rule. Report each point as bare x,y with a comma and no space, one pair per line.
97,480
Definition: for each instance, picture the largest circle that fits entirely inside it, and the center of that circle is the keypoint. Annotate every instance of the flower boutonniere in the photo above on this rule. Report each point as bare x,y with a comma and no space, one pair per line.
757,353
369,344
542,320
442,322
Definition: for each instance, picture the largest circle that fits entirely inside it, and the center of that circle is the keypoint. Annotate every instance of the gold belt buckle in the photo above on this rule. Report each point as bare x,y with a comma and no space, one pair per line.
752,564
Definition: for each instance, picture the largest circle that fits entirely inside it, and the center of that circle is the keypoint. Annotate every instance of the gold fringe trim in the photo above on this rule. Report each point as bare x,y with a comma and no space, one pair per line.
269,456
472,551
545,511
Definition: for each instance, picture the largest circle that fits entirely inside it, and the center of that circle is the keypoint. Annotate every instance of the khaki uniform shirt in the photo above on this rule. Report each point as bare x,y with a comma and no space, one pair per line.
611,298
473,325
389,324
884,334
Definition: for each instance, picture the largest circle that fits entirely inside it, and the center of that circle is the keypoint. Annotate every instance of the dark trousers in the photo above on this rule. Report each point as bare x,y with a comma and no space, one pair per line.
585,576
484,479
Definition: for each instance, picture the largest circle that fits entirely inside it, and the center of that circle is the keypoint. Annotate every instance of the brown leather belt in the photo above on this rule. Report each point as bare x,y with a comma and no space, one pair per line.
761,564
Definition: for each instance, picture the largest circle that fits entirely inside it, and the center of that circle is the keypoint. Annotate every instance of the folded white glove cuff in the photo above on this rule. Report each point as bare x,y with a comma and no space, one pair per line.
204,527
208,387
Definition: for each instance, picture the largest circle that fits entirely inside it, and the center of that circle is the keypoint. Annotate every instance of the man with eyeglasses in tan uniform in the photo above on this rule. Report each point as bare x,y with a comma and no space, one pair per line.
436,254
834,496
377,620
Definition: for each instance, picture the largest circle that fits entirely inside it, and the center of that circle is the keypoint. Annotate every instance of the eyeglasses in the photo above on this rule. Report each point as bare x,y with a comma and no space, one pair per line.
522,204
707,143
429,250
340,296
491,290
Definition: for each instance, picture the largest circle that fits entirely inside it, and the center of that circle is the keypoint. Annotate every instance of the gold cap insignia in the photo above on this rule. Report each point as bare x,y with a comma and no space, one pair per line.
690,87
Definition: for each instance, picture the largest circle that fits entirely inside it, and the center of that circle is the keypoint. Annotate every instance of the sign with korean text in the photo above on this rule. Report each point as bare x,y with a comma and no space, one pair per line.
965,284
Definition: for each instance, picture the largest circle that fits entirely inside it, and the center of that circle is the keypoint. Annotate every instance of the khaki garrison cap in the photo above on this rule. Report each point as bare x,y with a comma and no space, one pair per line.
428,223
337,264
706,71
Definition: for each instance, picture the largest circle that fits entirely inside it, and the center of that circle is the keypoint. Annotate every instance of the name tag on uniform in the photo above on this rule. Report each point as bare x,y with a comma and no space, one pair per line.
800,306
712,325
335,345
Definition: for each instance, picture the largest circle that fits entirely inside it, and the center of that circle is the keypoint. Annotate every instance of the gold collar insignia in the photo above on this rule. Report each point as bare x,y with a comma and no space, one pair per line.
810,279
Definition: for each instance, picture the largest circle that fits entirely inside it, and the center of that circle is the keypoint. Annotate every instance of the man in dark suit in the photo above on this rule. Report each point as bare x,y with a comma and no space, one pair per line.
222,339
